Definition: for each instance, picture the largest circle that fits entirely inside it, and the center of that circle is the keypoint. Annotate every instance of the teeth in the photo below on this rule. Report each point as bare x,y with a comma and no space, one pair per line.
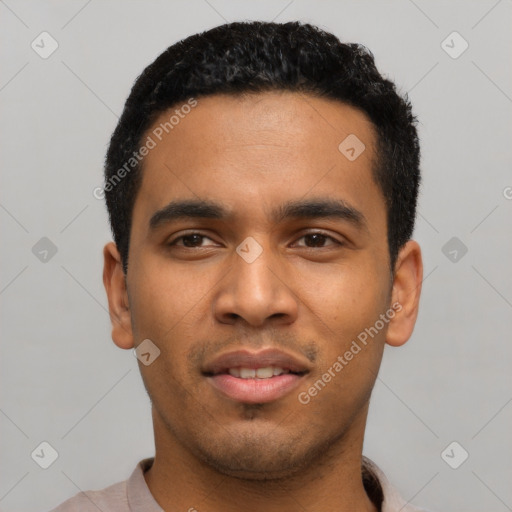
265,373
260,373
235,372
247,373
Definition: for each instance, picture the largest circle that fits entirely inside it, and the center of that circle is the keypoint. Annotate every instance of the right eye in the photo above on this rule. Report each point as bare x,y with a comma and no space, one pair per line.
190,240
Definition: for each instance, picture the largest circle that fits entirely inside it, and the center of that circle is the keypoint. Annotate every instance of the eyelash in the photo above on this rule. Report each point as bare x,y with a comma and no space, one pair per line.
173,242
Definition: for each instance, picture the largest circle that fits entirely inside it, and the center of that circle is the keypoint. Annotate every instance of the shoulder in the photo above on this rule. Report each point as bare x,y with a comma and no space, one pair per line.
112,498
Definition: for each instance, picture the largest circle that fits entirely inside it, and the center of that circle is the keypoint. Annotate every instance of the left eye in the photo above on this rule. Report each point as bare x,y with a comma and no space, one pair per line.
318,239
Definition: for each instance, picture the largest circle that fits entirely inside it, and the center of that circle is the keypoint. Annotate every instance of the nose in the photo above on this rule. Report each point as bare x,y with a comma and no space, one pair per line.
256,292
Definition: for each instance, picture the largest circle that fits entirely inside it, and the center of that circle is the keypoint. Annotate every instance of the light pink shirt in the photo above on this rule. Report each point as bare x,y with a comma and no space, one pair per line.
133,495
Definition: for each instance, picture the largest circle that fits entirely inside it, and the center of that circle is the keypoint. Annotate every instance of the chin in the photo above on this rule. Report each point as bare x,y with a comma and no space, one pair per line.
254,468
262,456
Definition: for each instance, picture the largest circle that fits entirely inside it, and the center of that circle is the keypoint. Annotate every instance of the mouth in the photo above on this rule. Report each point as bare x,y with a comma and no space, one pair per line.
256,377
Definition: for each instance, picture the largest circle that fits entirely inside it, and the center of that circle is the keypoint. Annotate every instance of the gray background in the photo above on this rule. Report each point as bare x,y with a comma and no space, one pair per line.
63,380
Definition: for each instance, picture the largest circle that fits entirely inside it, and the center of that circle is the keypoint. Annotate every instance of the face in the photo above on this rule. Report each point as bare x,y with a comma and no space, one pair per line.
258,257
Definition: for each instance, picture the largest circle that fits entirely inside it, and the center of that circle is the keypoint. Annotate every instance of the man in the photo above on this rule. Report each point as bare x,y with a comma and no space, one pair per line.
261,186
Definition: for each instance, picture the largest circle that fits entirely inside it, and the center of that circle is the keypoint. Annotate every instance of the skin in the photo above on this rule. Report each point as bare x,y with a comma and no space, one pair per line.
309,296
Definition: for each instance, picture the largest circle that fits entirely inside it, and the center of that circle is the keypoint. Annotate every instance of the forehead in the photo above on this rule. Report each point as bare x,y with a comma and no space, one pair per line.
257,150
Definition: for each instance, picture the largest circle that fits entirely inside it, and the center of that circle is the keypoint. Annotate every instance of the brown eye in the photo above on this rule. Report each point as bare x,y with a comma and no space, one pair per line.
191,240
317,240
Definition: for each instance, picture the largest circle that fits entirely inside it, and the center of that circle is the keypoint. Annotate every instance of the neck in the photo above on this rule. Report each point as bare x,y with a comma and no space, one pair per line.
178,480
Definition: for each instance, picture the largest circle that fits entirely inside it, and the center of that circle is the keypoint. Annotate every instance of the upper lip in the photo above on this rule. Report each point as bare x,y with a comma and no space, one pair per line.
260,359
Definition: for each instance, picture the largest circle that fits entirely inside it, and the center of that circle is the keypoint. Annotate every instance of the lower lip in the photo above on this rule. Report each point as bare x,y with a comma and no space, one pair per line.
255,391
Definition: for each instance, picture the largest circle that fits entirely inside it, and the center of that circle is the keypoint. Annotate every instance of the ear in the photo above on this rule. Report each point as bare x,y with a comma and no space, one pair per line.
405,296
114,281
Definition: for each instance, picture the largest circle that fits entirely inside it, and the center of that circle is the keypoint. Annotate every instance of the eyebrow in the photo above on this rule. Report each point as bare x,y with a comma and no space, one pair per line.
300,209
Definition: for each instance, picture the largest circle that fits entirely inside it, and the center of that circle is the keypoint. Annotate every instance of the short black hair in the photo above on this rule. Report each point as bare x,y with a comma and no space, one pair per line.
253,57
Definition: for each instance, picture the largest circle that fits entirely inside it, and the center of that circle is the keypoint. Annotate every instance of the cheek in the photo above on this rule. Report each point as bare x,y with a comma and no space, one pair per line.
348,300
344,378
168,308
349,307
165,297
